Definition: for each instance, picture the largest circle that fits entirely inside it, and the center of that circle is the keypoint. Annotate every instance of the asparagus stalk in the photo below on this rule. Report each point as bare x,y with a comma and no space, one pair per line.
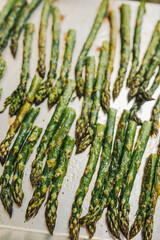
51,163
23,156
136,42
25,14
10,22
105,100
125,49
83,121
2,67
52,202
104,163
64,99
5,144
103,61
16,99
65,69
47,7
26,126
82,190
149,171
5,11
155,193
124,206
84,52
46,86
155,117
150,52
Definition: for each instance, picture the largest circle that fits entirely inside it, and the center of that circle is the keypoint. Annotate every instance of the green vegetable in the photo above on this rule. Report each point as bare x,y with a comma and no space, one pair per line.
82,190
6,11
2,67
102,12
155,117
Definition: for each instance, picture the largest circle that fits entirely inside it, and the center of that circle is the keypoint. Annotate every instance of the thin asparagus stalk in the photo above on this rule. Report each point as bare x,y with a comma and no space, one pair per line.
124,206
136,42
52,202
5,11
51,163
102,12
10,23
125,49
83,120
26,126
64,99
5,144
74,225
114,166
105,100
16,99
47,7
148,225
104,163
46,86
103,61
23,156
155,117
148,176
65,69
2,67
150,52
25,14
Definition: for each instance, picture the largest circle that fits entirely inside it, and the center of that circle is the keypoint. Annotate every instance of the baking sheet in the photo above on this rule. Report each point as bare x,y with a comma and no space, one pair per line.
78,15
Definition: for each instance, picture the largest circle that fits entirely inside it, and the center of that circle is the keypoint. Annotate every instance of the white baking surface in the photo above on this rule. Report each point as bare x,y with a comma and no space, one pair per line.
79,15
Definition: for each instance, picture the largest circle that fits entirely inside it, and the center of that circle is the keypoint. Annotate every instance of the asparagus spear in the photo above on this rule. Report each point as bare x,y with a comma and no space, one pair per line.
23,156
85,181
149,171
105,100
136,42
64,99
47,7
114,166
5,11
155,117
9,165
125,49
16,99
155,193
25,14
51,163
52,202
10,22
150,52
2,67
104,163
46,86
5,144
103,61
124,206
83,120
84,52
65,69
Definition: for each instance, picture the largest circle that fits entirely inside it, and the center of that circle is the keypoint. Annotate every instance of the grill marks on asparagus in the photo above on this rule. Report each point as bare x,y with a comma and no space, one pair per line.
36,169
74,225
46,86
24,15
55,187
105,100
54,148
125,49
57,89
47,7
103,61
102,12
136,42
